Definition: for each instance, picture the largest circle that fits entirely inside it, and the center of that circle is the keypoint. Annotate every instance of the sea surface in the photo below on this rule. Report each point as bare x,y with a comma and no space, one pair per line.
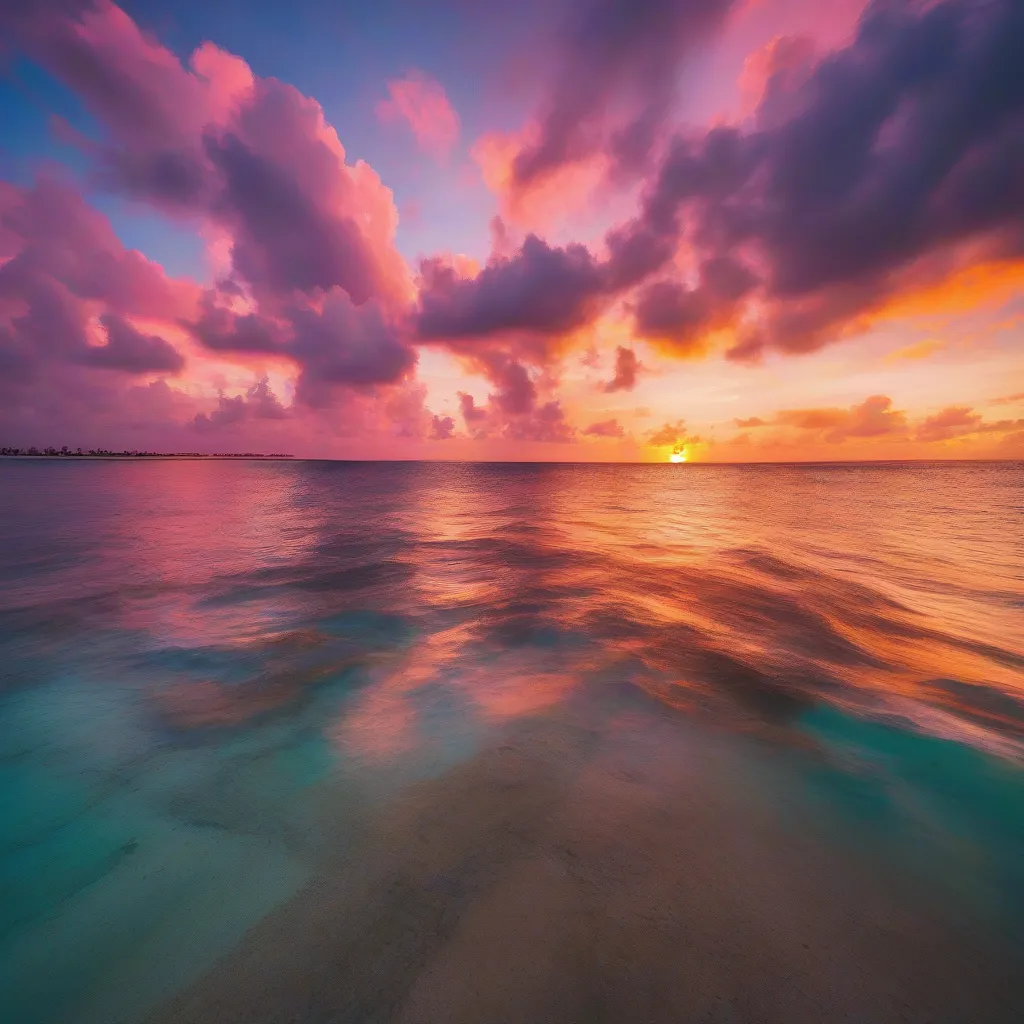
336,742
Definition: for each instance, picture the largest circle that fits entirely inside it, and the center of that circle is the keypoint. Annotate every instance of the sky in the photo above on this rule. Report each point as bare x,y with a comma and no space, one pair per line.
579,230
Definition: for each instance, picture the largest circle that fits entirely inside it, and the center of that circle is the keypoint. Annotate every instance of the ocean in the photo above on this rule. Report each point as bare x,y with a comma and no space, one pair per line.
426,742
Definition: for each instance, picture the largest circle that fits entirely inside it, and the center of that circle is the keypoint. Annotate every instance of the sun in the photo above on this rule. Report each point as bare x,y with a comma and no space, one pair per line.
677,457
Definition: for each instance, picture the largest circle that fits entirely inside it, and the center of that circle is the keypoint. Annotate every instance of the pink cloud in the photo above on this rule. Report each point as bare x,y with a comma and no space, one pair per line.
252,156
605,428
422,103
535,205
70,292
614,83
313,275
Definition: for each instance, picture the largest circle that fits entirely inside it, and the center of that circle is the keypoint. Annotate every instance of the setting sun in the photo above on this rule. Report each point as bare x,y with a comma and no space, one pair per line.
677,457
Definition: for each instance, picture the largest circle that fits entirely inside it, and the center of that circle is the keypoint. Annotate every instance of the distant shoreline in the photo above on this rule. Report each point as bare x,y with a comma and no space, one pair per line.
138,456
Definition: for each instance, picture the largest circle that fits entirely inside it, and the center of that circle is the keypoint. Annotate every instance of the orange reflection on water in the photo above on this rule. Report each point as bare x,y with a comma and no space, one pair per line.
497,591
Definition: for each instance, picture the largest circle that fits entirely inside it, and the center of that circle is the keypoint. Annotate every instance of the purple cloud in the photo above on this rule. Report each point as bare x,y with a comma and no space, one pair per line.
626,367
540,288
615,81
132,351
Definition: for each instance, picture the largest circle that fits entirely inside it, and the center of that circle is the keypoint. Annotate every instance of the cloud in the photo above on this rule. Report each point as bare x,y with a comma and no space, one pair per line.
898,158
1012,445
422,103
406,413
626,367
516,410
615,80
851,191
874,417
605,428
545,423
773,75
952,421
258,402
251,156
669,433
680,317
912,353
333,344
310,272
282,240
220,329
132,351
565,192
517,393
471,412
1009,399
547,290
346,344
229,411
442,428
68,282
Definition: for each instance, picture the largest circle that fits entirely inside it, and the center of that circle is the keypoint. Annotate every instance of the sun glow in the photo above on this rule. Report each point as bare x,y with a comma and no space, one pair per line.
677,457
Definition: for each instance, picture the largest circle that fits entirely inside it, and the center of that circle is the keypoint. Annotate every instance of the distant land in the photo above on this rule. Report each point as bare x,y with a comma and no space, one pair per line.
104,453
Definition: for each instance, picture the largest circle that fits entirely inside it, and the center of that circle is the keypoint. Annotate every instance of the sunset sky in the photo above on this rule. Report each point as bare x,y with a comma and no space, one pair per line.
551,229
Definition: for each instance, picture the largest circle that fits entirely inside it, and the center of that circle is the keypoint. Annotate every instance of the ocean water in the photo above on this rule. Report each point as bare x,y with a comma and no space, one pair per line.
325,742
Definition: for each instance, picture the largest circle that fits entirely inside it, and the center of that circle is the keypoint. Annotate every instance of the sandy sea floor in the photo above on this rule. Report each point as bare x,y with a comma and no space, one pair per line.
612,867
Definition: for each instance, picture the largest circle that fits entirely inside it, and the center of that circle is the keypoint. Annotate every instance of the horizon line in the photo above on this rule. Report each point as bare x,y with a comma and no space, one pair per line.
126,456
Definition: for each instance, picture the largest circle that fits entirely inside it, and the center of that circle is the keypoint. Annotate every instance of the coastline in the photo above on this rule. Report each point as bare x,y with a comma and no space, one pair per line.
147,457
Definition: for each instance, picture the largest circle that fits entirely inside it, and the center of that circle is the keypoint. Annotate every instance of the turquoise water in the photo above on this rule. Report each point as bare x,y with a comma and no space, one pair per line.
238,702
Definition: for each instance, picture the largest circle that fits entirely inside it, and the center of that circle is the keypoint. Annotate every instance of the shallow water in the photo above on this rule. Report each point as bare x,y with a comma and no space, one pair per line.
356,742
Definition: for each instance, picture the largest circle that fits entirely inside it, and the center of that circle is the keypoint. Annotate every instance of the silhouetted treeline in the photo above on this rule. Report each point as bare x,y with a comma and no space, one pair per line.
107,453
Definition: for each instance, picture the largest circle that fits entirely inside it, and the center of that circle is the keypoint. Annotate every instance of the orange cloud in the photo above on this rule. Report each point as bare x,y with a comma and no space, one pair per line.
876,422
953,421
422,103
919,350
669,434
963,291
874,417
